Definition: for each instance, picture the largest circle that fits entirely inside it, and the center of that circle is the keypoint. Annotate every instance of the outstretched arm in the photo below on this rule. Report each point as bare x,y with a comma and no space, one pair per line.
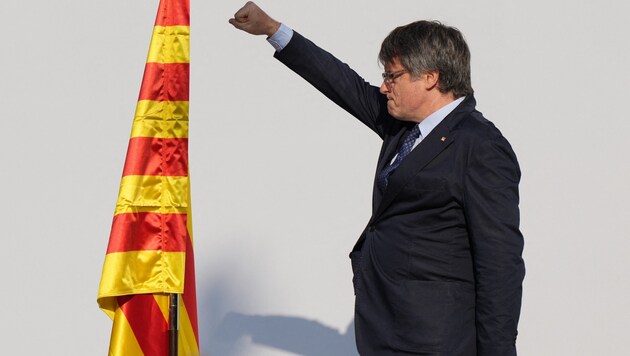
325,72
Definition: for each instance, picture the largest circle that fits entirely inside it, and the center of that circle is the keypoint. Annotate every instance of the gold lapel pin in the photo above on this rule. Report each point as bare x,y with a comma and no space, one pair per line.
443,138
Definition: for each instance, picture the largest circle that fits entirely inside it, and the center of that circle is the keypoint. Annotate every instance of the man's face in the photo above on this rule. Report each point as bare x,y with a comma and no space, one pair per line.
405,95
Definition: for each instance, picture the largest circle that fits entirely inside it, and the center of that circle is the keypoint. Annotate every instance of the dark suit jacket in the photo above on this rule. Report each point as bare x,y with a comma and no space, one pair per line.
438,269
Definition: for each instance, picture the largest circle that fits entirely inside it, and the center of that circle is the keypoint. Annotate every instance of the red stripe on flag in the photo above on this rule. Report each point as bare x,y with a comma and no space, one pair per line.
152,156
148,232
165,82
173,13
190,291
147,322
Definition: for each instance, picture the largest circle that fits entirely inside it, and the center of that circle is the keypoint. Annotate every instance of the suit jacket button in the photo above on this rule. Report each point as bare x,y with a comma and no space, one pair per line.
372,228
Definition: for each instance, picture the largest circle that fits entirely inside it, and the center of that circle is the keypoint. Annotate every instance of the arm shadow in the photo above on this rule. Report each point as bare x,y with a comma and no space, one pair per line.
293,334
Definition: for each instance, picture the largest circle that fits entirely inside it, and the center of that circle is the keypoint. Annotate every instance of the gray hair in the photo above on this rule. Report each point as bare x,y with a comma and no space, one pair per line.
429,46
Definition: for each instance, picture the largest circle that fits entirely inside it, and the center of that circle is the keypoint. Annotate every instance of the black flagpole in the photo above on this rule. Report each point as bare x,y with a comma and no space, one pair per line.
173,324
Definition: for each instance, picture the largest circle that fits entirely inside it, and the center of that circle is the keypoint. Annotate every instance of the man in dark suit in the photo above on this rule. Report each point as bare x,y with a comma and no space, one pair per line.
438,268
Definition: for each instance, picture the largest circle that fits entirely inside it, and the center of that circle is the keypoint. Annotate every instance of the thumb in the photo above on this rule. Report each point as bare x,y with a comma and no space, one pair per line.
239,23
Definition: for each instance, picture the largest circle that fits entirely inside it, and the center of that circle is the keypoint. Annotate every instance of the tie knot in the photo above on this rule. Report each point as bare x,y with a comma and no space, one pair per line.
415,131
413,134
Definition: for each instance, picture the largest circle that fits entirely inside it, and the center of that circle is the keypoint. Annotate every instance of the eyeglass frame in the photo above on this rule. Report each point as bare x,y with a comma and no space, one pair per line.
389,77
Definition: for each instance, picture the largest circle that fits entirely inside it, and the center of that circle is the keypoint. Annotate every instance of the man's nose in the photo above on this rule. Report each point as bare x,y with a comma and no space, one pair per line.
384,89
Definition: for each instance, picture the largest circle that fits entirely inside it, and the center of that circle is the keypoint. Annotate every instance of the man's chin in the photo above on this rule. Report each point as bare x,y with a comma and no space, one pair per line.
391,109
393,113
398,116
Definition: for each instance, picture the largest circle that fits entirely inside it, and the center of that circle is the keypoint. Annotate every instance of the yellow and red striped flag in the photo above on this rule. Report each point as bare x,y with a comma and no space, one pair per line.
150,251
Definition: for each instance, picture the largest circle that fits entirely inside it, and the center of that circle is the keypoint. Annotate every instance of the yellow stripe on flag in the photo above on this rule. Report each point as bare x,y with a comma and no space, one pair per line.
161,119
152,193
170,44
139,272
162,300
187,342
123,341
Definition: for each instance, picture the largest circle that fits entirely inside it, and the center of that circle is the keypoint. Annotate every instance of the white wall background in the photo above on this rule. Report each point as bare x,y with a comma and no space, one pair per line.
272,227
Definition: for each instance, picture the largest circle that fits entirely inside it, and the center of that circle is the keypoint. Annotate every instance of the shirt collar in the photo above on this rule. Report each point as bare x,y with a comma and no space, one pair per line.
431,121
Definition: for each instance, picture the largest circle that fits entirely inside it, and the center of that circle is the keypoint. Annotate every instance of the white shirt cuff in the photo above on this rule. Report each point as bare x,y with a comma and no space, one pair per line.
281,38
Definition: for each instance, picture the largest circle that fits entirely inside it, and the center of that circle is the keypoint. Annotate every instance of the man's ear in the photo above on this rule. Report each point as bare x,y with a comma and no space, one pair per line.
431,79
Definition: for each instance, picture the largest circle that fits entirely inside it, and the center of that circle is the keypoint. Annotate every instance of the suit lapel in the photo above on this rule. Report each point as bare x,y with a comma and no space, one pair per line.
390,147
427,150
393,147
438,140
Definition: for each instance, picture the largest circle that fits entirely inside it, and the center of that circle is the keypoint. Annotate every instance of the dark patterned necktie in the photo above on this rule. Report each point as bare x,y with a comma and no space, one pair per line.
404,150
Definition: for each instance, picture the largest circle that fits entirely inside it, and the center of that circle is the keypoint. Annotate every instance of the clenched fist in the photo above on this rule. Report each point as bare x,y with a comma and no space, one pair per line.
252,19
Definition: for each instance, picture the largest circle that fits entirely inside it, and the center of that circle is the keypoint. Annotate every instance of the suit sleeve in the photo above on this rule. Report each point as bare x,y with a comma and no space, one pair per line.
337,81
492,217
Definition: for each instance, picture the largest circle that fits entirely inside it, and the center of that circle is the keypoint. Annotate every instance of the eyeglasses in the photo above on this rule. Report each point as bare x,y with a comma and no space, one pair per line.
389,77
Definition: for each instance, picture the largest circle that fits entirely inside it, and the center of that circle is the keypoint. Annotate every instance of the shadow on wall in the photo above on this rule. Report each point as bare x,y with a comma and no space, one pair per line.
293,334
224,332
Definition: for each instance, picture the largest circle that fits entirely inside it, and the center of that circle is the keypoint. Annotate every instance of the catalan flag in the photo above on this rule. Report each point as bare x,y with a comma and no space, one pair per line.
150,251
